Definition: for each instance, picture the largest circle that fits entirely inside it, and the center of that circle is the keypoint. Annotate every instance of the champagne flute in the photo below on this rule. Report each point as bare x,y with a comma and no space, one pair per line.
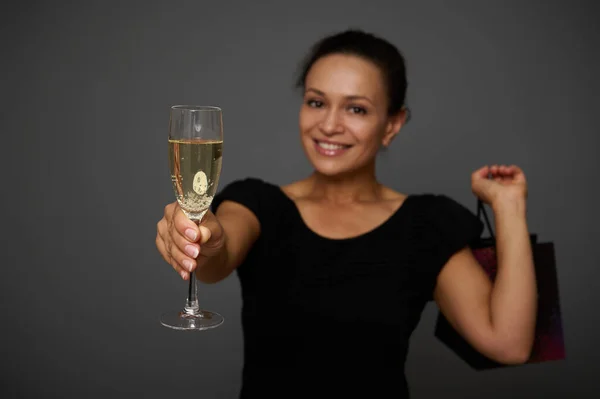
195,156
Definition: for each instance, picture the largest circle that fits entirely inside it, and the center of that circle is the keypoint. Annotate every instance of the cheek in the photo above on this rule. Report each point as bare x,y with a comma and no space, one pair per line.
370,134
302,119
308,118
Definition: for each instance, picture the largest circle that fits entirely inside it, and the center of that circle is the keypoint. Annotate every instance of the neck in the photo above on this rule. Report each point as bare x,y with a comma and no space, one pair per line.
356,187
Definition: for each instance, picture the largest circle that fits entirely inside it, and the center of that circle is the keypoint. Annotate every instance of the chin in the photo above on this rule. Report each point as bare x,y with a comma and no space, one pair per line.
331,168
330,164
331,172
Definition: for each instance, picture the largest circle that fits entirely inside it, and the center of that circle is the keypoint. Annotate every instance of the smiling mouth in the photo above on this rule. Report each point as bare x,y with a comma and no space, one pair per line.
330,149
331,146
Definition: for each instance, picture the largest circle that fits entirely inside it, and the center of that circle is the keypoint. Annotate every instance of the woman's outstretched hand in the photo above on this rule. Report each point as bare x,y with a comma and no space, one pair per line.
185,245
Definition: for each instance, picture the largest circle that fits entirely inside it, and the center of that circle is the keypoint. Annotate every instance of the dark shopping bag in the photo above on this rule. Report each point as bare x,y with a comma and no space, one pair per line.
549,339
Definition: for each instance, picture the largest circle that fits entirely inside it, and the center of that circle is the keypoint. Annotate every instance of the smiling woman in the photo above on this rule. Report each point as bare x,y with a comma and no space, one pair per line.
336,268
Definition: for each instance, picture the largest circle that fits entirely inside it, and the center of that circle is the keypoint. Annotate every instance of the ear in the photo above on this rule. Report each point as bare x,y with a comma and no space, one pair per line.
394,125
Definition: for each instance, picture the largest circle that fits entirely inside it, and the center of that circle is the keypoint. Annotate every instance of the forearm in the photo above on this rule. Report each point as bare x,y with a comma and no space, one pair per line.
514,294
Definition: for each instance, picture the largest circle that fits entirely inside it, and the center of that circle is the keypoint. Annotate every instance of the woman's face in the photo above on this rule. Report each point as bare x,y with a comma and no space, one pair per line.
343,118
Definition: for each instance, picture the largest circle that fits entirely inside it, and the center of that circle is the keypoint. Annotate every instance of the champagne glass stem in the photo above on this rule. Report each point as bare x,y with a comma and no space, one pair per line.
191,304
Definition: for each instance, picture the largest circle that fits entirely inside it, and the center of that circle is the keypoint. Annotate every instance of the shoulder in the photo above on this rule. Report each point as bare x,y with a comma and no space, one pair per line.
438,204
254,193
246,191
439,227
245,183
445,218
250,184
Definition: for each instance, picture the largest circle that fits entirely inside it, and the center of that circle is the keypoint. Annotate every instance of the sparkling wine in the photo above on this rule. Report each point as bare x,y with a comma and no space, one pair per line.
195,168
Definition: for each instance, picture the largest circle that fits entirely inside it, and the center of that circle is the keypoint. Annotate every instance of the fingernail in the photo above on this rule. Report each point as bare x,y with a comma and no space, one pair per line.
191,234
188,264
191,250
183,274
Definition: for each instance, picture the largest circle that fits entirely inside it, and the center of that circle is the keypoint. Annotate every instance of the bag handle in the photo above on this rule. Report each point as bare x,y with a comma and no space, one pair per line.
481,211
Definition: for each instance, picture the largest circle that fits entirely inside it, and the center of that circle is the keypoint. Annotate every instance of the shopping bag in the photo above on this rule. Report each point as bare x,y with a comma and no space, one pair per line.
549,338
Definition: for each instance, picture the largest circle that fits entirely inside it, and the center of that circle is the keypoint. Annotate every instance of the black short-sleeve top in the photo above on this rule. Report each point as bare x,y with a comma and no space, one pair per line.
338,311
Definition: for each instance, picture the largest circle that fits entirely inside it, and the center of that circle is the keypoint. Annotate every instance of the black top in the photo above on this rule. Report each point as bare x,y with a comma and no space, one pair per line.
332,317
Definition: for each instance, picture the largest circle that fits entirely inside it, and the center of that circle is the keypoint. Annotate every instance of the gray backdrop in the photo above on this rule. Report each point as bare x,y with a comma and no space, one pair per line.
86,90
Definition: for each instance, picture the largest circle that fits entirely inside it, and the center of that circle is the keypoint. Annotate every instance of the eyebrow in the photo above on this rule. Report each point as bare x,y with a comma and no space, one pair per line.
352,97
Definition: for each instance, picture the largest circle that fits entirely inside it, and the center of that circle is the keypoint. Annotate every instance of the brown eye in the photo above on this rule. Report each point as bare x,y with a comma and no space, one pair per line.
358,110
314,103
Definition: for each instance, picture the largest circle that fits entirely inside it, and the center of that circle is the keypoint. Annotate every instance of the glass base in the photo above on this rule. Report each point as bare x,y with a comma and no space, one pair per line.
198,321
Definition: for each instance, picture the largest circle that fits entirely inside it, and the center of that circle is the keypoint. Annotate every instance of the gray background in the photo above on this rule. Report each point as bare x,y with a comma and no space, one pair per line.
86,88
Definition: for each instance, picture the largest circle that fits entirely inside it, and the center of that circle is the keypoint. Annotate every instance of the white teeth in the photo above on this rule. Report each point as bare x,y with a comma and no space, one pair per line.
329,146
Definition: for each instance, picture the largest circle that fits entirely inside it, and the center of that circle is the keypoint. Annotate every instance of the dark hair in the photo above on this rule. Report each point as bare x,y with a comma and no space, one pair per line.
370,47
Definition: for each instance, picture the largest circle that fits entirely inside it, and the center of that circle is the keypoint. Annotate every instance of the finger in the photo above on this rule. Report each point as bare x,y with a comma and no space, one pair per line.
504,173
183,243
162,250
171,258
169,208
497,173
518,173
184,226
161,226
515,169
494,170
173,239
179,248
169,211
480,173
162,233
175,245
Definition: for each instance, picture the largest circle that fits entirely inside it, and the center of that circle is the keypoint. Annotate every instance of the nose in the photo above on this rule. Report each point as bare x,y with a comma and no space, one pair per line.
331,123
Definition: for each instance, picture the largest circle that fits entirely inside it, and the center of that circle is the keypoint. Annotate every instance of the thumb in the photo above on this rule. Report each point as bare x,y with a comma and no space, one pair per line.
205,234
210,229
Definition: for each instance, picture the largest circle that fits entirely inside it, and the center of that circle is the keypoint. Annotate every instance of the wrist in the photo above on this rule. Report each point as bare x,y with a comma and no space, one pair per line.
510,205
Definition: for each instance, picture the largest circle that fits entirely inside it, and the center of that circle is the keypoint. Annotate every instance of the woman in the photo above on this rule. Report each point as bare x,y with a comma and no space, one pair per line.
336,269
